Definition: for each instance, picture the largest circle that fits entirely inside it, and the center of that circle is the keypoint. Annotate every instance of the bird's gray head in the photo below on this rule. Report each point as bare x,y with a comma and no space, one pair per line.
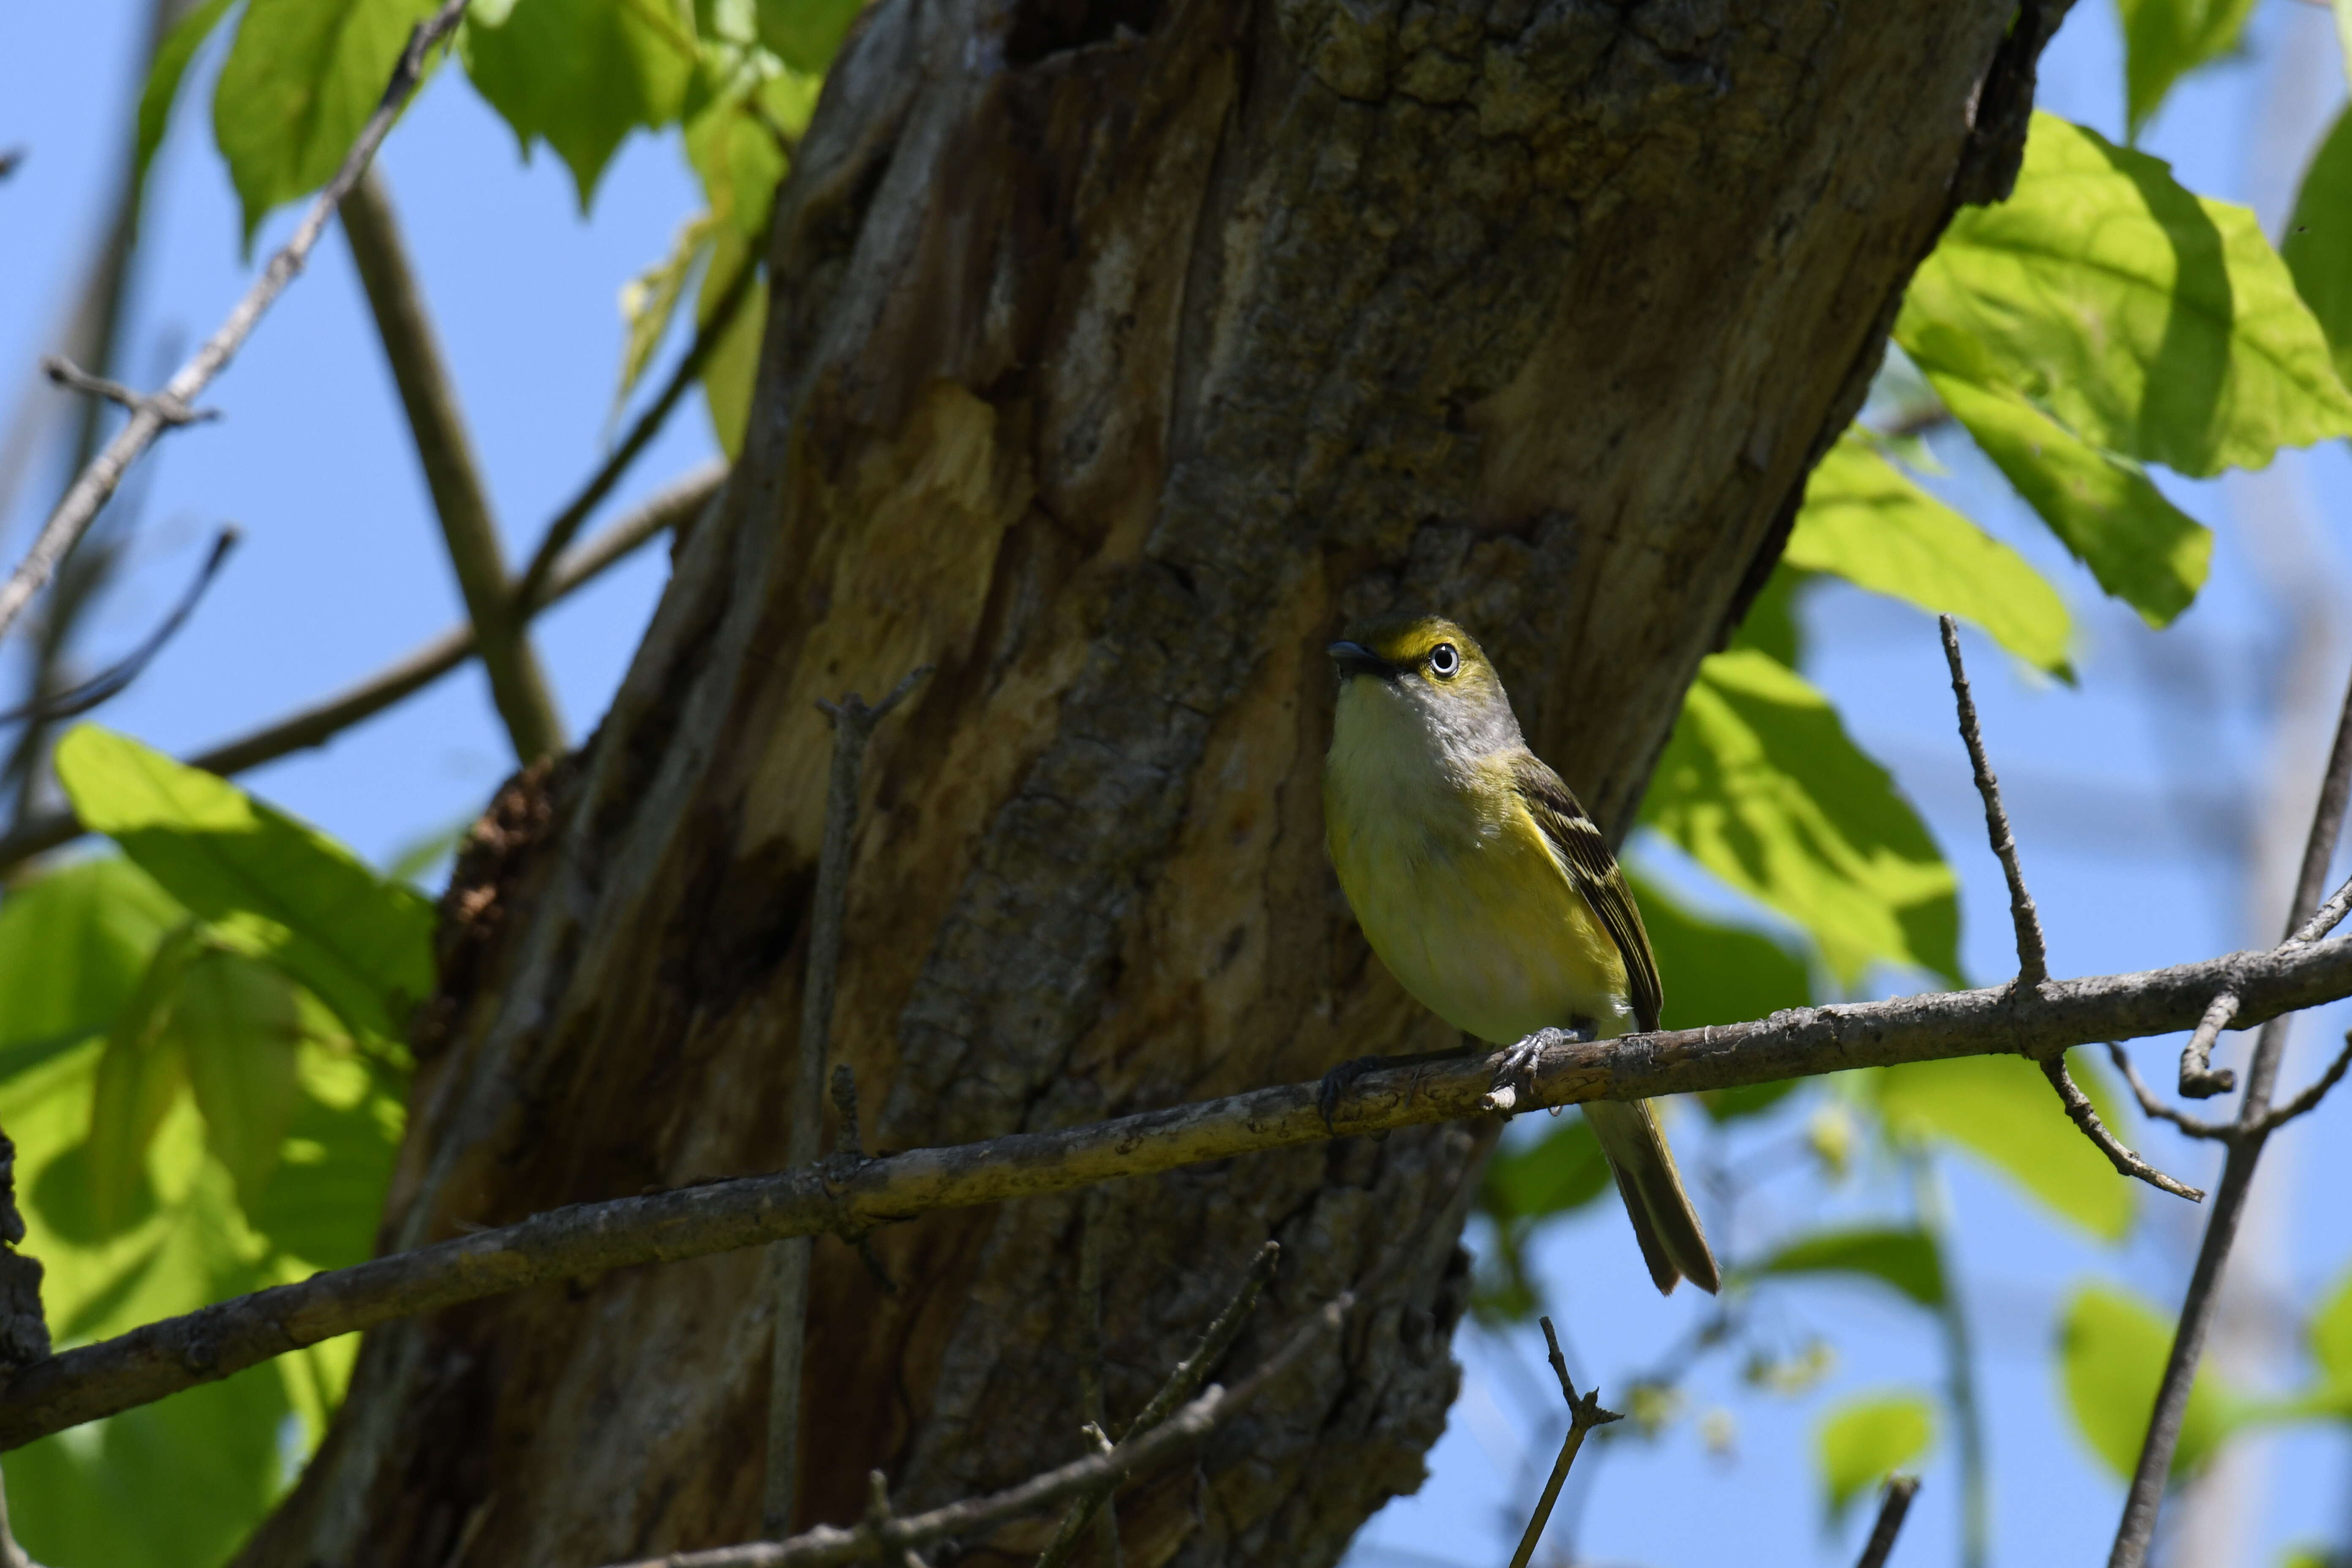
1410,674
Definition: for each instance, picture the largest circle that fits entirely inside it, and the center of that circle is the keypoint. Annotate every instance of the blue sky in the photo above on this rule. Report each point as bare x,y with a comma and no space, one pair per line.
342,570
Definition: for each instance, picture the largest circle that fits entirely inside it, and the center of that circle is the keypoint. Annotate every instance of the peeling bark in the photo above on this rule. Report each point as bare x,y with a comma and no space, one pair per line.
1122,349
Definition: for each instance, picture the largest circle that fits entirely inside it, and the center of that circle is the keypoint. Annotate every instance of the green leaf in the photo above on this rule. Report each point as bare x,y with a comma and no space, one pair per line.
268,885
324,1201
734,362
2318,247
1563,1170
1771,627
1761,786
1718,974
239,1028
2164,40
649,302
2331,1338
580,75
301,78
806,34
737,147
172,57
2111,1349
139,1078
1865,521
2142,318
2105,508
2003,1110
1904,1258
1865,1439
73,945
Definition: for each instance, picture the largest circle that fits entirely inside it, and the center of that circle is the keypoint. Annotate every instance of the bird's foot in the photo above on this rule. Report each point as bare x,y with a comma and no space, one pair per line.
1514,1069
1341,1078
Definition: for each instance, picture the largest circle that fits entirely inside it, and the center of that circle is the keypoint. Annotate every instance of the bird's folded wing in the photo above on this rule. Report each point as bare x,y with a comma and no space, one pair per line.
1575,839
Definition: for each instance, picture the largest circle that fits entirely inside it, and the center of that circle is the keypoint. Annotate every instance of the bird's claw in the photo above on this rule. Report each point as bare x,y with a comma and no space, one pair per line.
1514,1069
1336,1084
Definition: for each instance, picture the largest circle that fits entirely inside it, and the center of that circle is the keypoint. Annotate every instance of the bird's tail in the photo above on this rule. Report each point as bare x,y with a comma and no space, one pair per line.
1665,1225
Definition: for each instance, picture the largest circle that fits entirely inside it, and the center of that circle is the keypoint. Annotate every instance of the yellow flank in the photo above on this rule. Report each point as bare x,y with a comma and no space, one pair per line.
1455,885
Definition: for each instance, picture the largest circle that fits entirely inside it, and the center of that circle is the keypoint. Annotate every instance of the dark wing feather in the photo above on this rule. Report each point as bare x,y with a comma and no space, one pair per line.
1577,839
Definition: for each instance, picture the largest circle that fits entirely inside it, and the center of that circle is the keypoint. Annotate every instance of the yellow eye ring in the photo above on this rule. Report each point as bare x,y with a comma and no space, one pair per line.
1444,661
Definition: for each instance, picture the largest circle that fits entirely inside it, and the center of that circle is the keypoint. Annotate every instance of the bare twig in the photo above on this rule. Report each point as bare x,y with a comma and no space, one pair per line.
2279,1116
89,490
852,727
1095,1221
11,160
567,522
172,412
89,694
2138,1526
318,724
588,1239
1184,1431
1584,1415
2329,916
461,500
879,1519
2196,1127
1900,1491
2087,1117
1182,1384
849,1143
2033,952
2198,1079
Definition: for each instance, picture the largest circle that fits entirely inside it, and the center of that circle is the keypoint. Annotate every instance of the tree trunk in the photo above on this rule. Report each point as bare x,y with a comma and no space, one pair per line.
1123,349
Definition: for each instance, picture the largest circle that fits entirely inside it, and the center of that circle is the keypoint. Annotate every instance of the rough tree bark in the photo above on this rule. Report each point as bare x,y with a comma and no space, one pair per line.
1122,349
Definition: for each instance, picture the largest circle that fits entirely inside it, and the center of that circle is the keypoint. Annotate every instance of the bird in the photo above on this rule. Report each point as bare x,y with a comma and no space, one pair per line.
1489,893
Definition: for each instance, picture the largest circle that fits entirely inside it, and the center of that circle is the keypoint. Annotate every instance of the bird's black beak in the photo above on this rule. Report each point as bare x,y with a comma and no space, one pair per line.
1355,658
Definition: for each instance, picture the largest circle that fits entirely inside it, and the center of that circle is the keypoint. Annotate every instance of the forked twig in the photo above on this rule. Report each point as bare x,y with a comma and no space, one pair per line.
110,682
852,728
2195,1127
97,481
2279,1116
165,407
1584,1415
2033,952
2199,1080
1900,1491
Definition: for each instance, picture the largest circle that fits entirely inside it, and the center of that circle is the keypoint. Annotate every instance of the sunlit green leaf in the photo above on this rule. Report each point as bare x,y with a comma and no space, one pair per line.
2331,1339
2144,320
2166,39
737,147
1761,786
1863,1440
728,375
649,301
324,1201
1864,521
806,34
1904,1258
138,1081
2003,1110
172,57
2318,245
580,75
2105,508
266,884
301,78
1772,626
2111,1349
237,1026
73,945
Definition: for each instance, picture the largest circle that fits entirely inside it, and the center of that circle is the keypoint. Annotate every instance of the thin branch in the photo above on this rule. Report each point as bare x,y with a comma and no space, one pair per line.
1093,1402
110,682
1900,1491
2137,1527
11,160
461,498
1584,1415
2280,1116
2328,917
558,536
2198,1079
172,412
1182,1384
588,1239
2087,1117
420,668
853,728
89,490
1185,1430
2195,1127
2033,952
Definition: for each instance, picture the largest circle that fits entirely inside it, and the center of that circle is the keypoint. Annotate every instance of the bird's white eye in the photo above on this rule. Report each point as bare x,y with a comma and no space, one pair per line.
1444,661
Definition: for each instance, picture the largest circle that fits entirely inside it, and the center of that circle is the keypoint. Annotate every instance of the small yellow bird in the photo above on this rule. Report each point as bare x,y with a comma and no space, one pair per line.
1488,892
